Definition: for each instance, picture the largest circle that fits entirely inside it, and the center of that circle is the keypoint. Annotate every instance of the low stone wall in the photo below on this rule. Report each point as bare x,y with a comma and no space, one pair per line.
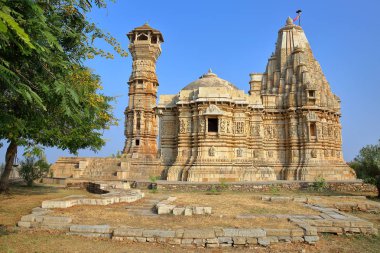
346,186
370,207
110,197
215,237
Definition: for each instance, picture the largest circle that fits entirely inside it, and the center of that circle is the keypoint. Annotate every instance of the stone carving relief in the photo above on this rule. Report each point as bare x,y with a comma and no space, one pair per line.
228,126
270,153
222,125
271,132
239,127
211,151
324,131
255,130
319,130
255,153
314,153
311,116
293,131
239,152
213,110
202,125
326,152
184,126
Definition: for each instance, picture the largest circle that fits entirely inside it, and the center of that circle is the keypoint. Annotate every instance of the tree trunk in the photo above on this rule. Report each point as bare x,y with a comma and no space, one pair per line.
9,158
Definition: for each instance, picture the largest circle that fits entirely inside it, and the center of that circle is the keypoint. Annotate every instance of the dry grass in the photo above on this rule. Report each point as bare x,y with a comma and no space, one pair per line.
22,200
230,203
331,201
117,214
225,207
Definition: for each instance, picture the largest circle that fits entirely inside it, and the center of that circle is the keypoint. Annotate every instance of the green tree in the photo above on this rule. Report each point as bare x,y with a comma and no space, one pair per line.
32,169
367,164
47,96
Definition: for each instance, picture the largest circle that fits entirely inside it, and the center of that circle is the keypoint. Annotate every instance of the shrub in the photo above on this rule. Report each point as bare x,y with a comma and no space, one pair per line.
320,184
31,170
223,185
153,179
274,189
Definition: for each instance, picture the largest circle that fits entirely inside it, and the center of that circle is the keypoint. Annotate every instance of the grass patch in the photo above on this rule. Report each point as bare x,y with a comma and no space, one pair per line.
22,199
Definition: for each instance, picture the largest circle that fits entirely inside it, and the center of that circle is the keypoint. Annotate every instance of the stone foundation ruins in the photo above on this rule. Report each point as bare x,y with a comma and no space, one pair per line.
304,227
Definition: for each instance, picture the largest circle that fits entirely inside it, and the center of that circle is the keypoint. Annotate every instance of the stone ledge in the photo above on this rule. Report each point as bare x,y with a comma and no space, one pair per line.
166,207
116,196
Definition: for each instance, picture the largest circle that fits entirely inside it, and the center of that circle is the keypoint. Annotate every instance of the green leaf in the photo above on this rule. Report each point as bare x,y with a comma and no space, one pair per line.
3,27
7,19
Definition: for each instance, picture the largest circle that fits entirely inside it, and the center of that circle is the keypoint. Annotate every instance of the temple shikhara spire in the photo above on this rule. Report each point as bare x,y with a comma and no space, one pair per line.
286,128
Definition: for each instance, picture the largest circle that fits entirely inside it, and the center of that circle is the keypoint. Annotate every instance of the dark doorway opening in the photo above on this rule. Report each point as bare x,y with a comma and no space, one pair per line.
313,130
213,125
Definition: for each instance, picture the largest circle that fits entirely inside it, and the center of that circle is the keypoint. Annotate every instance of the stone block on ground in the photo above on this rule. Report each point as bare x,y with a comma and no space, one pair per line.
199,233
158,233
102,229
277,232
24,224
311,239
90,234
128,232
57,219
245,232
263,241
188,211
178,210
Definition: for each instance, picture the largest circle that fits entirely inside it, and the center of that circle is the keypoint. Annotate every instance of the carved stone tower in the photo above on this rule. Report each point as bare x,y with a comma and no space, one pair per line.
140,120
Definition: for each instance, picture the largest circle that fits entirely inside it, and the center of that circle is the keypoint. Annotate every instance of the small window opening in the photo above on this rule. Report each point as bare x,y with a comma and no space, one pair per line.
138,123
140,81
154,39
312,93
142,37
313,130
137,142
213,125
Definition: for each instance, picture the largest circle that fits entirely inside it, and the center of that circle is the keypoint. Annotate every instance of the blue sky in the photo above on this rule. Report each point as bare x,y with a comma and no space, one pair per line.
235,38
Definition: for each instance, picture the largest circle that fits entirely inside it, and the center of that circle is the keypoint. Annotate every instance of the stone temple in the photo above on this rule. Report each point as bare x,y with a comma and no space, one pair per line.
286,128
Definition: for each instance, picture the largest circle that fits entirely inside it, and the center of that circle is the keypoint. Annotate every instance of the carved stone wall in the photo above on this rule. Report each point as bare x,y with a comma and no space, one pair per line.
287,127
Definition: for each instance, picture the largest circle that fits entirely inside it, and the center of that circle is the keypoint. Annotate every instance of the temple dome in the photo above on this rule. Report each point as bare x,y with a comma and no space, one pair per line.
210,80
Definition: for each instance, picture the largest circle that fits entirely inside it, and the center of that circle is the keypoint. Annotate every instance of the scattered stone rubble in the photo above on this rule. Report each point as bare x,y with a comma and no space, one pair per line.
166,207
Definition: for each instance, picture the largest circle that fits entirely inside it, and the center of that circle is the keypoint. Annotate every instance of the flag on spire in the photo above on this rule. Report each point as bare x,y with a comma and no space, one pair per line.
298,16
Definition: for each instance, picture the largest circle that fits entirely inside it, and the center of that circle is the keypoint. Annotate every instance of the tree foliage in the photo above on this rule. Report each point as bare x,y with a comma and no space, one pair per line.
32,169
367,164
47,95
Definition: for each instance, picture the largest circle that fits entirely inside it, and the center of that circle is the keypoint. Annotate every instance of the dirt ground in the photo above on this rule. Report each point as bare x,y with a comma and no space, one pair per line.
23,199
225,207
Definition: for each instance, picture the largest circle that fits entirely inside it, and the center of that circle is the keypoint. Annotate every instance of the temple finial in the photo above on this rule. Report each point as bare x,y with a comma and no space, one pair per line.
289,21
209,70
